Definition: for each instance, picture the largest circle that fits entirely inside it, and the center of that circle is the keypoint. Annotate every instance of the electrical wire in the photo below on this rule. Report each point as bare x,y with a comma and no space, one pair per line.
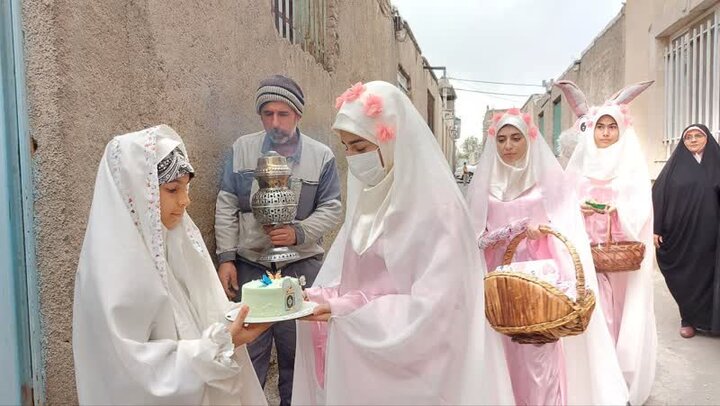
495,83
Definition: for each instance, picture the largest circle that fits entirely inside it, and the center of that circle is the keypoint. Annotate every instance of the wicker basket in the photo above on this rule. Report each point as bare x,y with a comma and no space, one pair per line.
617,256
532,311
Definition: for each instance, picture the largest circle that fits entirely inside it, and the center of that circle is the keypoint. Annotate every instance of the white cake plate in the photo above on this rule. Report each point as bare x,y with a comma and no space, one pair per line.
306,310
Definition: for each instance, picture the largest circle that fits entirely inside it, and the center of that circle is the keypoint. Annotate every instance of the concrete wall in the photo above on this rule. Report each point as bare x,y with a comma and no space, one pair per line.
423,82
98,69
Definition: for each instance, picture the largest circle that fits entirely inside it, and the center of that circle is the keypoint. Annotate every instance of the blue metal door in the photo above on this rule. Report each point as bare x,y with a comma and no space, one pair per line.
20,369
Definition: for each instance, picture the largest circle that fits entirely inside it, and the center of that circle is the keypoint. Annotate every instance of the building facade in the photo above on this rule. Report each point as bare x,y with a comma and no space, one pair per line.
675,43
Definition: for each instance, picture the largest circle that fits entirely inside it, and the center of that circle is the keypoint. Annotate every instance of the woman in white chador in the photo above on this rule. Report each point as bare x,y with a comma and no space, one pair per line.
609,167
401,317
148,314
519,181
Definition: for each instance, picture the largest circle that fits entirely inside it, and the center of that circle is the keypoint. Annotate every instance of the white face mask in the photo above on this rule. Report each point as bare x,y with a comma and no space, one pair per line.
367,167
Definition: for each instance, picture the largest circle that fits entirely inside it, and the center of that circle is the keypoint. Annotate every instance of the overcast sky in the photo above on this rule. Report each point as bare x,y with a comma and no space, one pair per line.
517,41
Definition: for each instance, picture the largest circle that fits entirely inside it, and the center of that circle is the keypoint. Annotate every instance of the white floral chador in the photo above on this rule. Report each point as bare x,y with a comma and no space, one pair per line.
148,314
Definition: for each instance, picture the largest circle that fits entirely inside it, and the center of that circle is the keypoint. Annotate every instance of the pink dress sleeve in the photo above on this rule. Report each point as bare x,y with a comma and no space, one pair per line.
348,302
339,305
321,295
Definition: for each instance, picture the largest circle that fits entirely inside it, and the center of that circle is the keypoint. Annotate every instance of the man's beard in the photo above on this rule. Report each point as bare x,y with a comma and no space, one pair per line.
278,136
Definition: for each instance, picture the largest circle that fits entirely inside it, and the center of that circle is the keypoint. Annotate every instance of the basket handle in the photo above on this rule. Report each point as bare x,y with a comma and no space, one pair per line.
609,238
579,273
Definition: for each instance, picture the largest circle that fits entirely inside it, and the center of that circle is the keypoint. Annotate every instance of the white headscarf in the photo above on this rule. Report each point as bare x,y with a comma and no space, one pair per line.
509,181
372,202
148,313
429,343
603,163
593,377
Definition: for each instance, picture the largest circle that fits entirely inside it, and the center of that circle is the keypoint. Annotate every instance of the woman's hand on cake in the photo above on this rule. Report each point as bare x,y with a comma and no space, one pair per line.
242,333
321,313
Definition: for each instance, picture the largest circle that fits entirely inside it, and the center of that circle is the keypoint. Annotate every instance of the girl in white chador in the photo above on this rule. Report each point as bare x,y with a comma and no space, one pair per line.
519,180
148,314
401,317
608,167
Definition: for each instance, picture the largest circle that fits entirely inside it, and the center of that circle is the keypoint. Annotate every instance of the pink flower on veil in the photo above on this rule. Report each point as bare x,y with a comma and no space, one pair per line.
514,111
349,95
492,131
533,132
339,101
354,92
385,133
373,106
527,118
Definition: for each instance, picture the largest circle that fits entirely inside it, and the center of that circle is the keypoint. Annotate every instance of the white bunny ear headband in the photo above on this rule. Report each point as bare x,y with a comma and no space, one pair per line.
578,102
574,96
629,93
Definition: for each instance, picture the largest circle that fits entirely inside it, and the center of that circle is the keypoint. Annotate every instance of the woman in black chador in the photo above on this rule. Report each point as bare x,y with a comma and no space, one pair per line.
686,199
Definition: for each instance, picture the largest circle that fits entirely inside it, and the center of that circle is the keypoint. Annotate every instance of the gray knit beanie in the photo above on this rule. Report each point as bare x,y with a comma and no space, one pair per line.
280,88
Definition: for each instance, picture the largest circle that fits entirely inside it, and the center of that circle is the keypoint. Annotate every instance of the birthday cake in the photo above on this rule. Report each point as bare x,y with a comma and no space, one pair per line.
272,297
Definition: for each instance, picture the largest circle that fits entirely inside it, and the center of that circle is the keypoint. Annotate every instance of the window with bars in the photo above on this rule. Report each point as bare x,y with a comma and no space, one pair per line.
692,79
308,24
403,81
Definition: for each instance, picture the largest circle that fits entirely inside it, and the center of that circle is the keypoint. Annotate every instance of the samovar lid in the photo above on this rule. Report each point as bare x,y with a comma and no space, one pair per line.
272,164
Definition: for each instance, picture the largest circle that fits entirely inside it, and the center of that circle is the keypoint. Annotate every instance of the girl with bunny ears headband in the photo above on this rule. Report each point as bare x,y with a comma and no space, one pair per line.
609,167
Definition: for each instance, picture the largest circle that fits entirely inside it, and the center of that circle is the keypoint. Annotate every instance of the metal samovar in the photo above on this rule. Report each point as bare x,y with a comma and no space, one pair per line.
274,203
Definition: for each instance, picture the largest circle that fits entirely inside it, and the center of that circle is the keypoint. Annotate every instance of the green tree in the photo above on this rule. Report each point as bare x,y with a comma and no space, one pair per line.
469,150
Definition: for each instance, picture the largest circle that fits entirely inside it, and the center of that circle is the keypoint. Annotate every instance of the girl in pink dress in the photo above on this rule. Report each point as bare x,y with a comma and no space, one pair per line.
400,319
519,180
608,167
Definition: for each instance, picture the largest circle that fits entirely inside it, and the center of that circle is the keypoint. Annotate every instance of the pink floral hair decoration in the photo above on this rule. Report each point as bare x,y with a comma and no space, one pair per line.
385,133
496,117
526,117
533,132
373,106
350,95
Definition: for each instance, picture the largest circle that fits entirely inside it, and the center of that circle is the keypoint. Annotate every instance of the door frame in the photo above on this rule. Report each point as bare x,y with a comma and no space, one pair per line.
21,335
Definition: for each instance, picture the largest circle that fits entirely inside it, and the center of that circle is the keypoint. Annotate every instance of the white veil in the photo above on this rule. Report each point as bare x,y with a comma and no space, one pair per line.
148,327
593,377
430,342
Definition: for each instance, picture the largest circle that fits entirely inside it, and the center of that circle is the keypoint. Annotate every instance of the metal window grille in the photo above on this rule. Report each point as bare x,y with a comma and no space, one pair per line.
692,80
283,13
304,22
403,81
